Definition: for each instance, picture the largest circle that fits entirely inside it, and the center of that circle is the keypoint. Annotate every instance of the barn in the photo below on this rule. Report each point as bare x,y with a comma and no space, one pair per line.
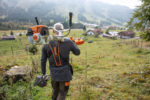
98,31
127,34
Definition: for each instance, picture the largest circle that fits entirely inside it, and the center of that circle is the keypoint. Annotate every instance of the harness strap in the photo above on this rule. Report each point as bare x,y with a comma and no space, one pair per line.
55,53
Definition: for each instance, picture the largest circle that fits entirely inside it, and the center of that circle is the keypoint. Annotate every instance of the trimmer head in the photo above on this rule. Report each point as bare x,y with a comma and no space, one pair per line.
41,81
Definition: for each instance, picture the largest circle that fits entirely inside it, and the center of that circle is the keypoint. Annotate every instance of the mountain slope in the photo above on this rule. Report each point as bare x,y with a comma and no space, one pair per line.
84,10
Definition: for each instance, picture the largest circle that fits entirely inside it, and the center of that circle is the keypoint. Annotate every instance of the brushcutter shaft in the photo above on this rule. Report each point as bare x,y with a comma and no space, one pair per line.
36,19
70,19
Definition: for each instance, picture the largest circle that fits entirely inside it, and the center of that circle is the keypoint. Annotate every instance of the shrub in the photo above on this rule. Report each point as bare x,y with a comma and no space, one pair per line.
20,34
33,49
11,33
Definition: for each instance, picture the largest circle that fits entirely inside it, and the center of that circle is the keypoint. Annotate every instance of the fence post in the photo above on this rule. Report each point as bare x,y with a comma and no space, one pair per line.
138,43
141,44
27,49
12,50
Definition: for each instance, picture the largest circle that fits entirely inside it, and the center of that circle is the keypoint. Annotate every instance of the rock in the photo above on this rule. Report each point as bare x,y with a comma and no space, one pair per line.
90,41
17,72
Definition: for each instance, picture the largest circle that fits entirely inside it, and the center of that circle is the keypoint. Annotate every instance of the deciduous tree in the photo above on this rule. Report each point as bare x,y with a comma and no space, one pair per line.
141,19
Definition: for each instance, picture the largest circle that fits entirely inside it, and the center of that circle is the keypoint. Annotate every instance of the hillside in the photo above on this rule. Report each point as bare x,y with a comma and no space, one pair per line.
90,11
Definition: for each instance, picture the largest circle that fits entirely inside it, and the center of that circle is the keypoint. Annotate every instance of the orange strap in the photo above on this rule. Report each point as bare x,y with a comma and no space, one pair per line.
55,53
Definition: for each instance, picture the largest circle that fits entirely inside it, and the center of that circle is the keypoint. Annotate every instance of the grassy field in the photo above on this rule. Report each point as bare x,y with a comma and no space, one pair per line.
105,70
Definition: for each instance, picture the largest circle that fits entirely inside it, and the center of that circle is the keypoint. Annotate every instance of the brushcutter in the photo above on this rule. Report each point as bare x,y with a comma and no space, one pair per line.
39,34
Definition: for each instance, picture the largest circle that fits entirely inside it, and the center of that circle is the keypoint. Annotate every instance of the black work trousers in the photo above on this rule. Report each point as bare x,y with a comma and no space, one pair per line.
59,90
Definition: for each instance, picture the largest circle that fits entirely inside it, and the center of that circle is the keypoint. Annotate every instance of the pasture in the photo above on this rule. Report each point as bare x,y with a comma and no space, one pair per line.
105,70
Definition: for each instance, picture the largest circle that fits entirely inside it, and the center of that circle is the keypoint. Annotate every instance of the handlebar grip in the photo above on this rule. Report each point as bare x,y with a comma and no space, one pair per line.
70,19
36,19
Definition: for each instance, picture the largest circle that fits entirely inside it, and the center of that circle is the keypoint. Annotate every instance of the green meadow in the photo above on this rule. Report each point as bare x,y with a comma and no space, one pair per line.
105,70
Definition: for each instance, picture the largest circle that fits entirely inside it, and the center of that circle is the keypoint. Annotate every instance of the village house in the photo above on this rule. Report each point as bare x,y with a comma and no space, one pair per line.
126,34
94,32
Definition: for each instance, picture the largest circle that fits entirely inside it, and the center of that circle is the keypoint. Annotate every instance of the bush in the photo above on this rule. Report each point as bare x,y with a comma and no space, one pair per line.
146,35
96,35
11,33
33,49
20,34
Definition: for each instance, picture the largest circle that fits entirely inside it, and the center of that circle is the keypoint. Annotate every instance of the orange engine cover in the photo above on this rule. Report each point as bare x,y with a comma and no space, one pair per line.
37,28
79,41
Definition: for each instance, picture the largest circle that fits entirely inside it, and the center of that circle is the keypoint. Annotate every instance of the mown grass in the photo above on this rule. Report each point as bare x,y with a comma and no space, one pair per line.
105,70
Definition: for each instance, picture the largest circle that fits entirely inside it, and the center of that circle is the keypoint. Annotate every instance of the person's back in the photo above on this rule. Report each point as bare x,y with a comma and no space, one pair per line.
60,70
62,50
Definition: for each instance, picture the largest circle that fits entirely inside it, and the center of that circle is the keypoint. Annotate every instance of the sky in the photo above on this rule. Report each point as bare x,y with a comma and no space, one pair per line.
130,3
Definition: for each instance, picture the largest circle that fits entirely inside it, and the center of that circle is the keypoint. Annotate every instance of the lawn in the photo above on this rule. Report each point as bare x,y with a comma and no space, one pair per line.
105,70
